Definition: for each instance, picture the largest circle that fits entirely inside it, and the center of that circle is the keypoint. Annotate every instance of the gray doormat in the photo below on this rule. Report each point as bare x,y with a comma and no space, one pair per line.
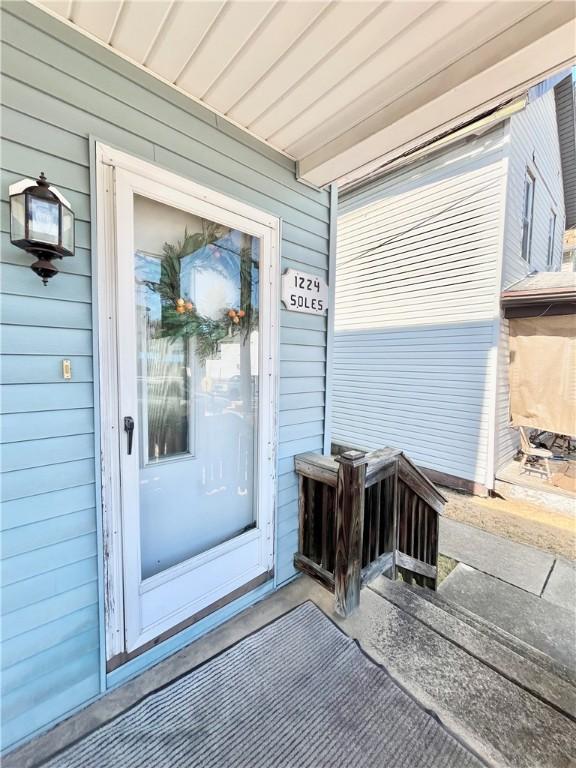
298,693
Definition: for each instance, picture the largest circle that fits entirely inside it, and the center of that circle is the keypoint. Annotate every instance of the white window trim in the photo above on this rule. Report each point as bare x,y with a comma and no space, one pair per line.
527,257
550,254
107,161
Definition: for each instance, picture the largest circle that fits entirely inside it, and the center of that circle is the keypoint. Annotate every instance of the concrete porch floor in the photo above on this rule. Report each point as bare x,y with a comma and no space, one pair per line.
496,714
515,482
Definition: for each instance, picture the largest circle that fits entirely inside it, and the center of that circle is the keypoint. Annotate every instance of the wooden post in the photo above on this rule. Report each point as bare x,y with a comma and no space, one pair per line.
350,490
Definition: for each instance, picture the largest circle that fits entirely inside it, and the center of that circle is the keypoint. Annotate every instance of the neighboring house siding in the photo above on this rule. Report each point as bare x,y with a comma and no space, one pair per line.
416,296
533,144
57,90
565,96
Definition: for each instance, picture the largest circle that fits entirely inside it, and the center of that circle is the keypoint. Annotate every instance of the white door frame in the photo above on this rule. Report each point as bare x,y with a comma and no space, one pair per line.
112,163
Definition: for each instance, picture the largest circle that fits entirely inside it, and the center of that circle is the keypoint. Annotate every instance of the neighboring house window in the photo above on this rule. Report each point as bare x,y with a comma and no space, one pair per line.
551,235
528,215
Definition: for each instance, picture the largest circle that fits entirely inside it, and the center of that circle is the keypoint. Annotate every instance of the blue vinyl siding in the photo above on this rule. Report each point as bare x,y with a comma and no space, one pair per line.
59,90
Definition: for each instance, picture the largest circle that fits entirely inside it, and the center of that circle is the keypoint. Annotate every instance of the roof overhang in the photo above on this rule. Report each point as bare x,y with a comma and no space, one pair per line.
522,301
340,87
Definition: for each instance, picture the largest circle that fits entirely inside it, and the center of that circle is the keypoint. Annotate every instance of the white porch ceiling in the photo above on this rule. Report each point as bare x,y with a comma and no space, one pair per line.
340,86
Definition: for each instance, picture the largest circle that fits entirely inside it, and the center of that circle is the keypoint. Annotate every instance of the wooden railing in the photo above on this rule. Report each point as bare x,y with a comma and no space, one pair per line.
362,515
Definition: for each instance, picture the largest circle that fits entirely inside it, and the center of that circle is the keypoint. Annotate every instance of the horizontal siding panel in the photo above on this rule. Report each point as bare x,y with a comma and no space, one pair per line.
25,538
46,452
302,321
287,525
49,636
55,658
26,160
287,496
36,134
49,610
21,700
58,705
27,482
287,480
19,94
23,398
18,427
38,340
44,369
292,401
286,466
287,546
23,282
301,416
34,509
302,337
295,369
293,447
24,309
42,560
297,431
302,353
39,588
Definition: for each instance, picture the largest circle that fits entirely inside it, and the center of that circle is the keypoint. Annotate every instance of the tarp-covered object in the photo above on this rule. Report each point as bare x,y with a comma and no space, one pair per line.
543,373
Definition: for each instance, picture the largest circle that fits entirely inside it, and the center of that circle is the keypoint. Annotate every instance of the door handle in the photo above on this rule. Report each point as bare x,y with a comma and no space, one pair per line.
129,429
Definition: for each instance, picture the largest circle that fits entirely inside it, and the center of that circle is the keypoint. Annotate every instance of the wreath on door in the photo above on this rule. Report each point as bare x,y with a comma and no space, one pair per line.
180,317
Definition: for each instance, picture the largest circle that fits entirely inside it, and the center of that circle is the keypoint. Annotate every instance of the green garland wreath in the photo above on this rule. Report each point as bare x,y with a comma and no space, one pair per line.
180,318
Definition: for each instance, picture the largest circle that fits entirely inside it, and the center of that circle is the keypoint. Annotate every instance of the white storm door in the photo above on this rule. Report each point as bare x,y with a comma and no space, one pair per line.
196,423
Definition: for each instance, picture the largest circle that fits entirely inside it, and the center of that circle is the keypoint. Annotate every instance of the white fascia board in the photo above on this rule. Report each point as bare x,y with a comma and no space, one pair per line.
375,140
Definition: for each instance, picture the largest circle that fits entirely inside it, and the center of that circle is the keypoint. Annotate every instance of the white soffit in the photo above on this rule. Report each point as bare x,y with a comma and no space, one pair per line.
340,86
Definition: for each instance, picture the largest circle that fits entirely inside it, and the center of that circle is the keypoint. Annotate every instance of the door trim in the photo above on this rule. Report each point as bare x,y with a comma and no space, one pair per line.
108,160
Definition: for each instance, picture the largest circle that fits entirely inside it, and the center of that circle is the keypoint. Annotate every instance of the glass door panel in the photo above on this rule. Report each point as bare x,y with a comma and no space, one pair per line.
197,313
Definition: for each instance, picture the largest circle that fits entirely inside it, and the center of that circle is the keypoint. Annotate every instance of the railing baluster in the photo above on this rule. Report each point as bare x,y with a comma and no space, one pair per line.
377,513
325,526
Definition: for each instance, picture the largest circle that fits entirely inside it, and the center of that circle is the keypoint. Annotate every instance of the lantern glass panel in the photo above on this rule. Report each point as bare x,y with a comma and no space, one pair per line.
17,217
43,220
67,229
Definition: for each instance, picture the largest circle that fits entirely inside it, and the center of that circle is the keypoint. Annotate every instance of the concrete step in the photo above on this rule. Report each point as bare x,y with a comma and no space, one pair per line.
547,627
513,643
454,671
514,660
525,567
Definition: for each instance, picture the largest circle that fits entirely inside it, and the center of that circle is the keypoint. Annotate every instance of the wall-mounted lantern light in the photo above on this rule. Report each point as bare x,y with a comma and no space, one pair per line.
42,223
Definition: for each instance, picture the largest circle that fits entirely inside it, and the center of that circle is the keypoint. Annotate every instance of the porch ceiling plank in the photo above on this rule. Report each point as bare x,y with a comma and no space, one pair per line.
234,28
397,128
61,7
284,25
467,27
136,30
390,21
98,17
324,35
183,31
403,44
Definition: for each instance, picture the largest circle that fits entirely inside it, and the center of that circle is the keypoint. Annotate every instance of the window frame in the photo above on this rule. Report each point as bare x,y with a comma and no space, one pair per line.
552,221
528,216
